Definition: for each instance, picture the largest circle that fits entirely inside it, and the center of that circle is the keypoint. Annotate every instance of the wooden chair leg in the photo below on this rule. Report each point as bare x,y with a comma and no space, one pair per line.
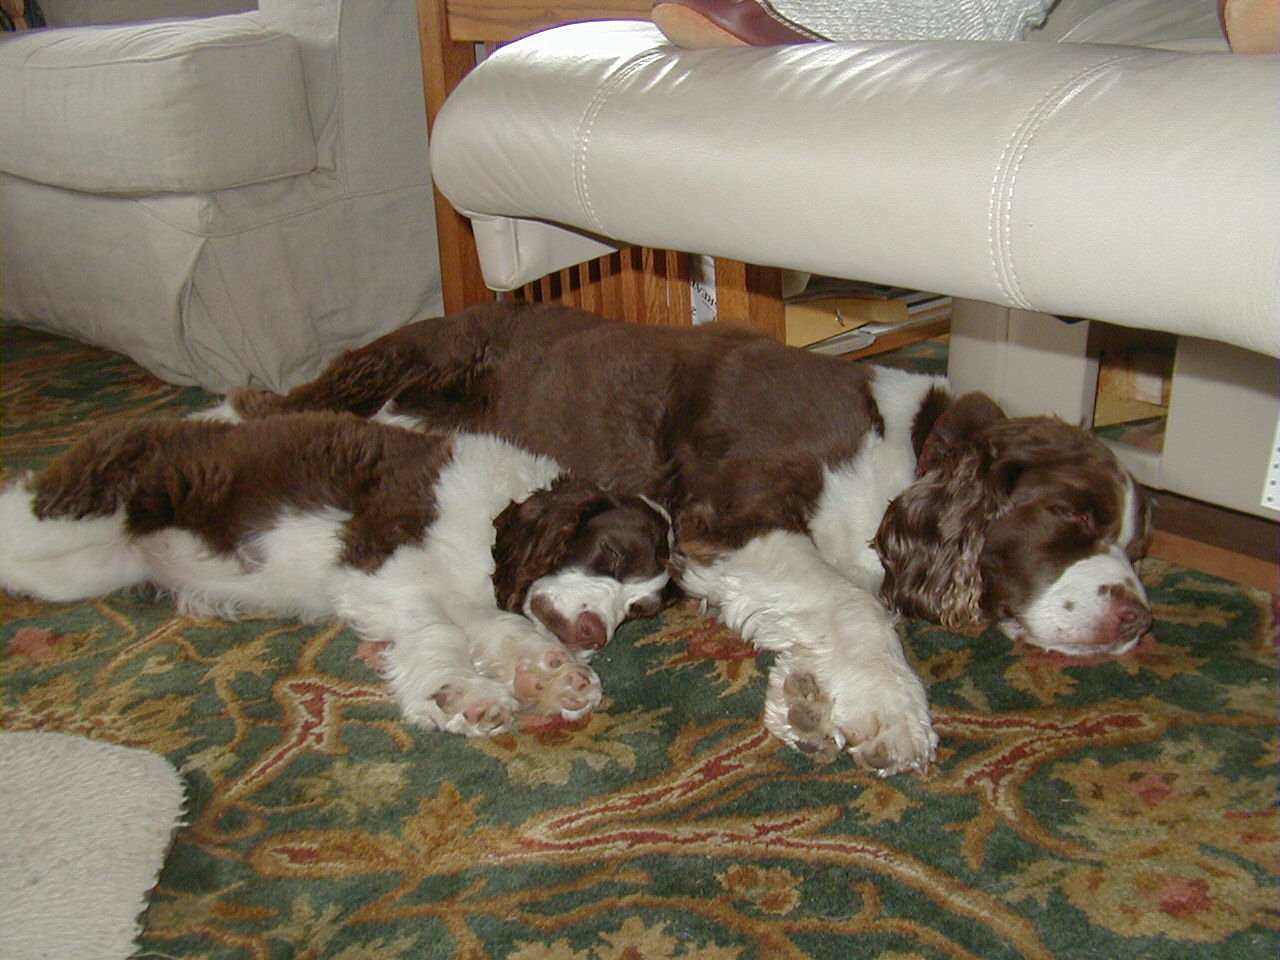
444,64
642,285
751,296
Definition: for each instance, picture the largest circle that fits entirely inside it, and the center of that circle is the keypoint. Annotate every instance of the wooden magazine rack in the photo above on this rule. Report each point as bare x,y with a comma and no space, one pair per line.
637,284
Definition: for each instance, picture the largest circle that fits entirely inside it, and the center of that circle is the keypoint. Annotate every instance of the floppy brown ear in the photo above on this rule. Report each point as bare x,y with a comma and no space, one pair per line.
931,537
956,426
930,541
532,536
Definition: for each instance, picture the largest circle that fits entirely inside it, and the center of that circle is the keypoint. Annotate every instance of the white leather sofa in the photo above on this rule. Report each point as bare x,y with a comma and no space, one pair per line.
1121,166
229,199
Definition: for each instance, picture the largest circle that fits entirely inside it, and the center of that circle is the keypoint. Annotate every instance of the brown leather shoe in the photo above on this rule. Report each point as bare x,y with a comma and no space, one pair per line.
727,23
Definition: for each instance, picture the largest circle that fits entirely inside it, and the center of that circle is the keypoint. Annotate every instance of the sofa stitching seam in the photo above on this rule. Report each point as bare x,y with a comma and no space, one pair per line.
585,127
1005,177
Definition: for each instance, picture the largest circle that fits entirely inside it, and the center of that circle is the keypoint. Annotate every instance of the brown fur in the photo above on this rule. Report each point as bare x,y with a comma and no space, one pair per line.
715,416
224,482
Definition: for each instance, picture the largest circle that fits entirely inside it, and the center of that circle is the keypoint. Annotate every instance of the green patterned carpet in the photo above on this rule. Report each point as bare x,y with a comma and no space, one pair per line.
1123,808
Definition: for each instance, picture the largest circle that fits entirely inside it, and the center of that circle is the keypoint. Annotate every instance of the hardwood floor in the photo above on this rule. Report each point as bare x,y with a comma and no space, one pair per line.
1227,544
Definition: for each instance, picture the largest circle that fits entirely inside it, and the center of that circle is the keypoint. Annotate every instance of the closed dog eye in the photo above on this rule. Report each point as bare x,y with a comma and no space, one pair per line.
649,606
1083,519
607,559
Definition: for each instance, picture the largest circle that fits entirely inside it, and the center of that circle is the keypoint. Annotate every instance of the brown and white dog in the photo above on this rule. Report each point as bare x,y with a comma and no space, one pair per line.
436,543
809,493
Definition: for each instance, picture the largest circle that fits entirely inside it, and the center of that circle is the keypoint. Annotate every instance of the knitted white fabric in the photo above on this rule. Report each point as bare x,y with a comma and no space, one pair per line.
85,830
915,19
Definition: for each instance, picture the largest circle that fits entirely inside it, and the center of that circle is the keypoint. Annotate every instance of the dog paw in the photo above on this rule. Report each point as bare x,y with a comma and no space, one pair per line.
554,683
479,709
882,722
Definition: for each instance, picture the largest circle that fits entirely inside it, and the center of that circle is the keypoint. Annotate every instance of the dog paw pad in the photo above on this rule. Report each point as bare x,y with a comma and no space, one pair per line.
556,683
474,712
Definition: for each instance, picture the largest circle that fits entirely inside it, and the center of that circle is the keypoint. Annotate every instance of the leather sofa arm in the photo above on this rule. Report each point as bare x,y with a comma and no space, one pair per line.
1131,184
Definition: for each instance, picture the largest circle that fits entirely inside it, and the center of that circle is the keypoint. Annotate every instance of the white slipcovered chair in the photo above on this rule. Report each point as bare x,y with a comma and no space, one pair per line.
228,199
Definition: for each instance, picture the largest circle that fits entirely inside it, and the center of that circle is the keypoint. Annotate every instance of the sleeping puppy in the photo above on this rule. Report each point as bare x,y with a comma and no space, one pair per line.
490,573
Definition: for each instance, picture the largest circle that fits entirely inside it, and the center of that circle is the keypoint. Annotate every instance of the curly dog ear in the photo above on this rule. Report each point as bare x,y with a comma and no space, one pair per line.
931,537
532,536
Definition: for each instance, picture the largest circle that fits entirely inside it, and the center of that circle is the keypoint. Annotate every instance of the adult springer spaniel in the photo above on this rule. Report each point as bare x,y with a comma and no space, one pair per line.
808,492
436,543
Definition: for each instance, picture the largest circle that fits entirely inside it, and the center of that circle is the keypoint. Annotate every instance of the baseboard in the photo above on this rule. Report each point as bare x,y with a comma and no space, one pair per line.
1217,561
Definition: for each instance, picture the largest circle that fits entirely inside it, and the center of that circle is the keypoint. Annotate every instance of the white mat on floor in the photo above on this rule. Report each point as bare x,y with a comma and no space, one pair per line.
84,829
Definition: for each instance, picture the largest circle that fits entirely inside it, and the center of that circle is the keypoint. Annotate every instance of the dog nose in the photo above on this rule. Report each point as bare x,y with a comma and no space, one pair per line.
1133,619
589,632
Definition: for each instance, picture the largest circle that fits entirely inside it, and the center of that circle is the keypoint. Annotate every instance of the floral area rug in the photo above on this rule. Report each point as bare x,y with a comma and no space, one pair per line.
1079,809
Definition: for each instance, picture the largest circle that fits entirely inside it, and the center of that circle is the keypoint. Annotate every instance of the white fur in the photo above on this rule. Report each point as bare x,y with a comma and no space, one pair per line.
1070,615
431,600
779,593
285,571
1129,516
406,421
856,493
61,559
222,412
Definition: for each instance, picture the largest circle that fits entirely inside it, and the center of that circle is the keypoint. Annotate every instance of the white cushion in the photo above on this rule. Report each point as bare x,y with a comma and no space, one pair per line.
182,105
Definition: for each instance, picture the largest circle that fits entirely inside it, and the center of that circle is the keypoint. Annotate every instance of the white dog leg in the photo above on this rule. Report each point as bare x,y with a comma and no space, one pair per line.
437,687
428,664
841,681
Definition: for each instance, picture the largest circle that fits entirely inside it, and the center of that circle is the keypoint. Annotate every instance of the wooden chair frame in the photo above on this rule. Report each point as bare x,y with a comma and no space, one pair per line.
637,284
